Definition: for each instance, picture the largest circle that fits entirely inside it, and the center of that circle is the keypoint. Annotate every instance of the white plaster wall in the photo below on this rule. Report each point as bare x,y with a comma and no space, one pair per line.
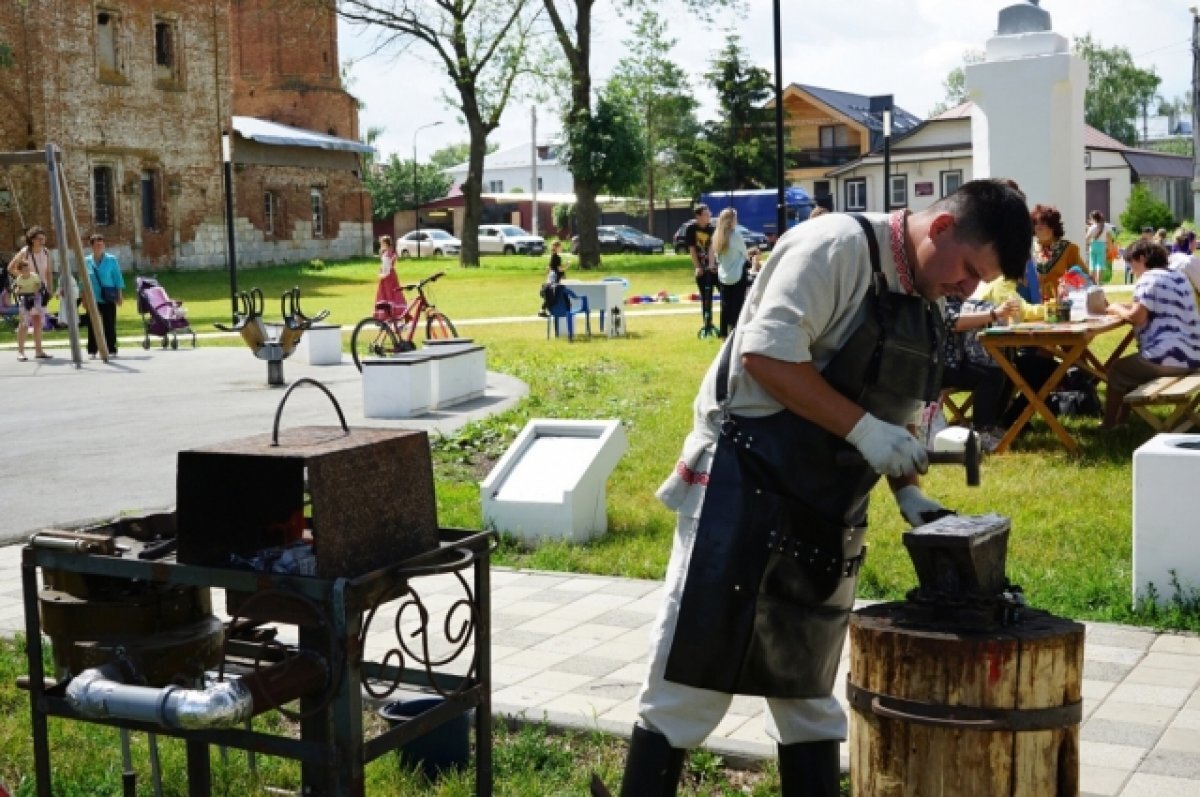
555,179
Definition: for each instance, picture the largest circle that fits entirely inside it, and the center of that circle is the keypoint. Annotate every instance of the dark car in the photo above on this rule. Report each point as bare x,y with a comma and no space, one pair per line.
614,238
751,238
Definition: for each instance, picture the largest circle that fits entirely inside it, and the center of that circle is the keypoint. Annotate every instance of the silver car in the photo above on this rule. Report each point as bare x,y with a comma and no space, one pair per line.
509,239
433,242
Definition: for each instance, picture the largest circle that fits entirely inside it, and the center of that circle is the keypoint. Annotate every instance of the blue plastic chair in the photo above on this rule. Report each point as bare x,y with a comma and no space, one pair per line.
566,308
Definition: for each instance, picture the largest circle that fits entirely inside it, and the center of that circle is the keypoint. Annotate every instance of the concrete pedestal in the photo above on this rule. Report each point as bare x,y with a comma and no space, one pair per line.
1166,504
1027,121
551,483
458,372
324,344
396,387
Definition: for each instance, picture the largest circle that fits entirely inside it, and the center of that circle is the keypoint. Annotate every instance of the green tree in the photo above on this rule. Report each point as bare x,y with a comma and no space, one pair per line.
6,56
955,84
605,148
1146,210
571,24
454,154
391,186
1117,89
659,94
485,48
741,141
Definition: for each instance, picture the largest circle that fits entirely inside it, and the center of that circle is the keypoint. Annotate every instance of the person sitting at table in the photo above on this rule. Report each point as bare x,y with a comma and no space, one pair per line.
1053,254
968,367
1167,321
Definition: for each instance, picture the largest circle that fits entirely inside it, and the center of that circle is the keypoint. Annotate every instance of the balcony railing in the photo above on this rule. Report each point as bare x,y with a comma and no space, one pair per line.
826,157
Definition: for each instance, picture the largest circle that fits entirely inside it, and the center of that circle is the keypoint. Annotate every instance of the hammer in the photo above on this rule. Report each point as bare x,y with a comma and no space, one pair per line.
968,458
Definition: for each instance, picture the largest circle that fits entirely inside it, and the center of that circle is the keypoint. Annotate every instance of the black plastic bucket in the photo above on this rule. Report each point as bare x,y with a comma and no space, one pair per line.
447,747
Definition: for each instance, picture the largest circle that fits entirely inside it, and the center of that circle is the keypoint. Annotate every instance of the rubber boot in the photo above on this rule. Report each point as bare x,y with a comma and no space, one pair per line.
653,767
810,769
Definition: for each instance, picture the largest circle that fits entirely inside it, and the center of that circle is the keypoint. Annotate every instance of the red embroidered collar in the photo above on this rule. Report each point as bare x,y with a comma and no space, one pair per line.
903,270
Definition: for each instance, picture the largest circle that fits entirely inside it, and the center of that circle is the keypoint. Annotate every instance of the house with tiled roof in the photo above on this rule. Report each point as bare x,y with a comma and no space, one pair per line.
934,158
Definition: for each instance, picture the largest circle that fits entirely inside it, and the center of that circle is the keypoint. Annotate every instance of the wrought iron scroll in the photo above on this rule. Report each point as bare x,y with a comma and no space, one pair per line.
458,628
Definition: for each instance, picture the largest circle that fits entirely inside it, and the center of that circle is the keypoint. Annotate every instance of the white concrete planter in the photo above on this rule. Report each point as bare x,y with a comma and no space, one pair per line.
396,387
1166,504
324,344
552,481
459,371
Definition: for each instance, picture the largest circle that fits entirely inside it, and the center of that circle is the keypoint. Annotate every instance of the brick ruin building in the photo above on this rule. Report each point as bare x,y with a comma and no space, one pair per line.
137,93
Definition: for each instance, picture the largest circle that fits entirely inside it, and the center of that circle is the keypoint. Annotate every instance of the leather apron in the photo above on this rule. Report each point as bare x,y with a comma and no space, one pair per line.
779,542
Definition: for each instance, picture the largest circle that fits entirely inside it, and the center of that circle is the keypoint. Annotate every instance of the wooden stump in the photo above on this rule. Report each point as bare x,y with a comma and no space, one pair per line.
933,709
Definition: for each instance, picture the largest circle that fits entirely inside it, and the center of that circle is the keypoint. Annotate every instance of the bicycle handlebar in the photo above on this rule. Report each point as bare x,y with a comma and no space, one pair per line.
416,286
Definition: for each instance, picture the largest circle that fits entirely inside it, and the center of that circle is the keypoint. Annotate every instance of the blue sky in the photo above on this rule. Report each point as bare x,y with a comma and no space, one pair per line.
902,47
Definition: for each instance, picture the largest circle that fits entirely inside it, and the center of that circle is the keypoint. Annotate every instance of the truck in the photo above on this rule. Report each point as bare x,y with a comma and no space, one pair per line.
756,207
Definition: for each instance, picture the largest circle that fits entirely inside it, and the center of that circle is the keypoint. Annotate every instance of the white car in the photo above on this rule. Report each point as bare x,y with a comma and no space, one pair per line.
509,239
433,243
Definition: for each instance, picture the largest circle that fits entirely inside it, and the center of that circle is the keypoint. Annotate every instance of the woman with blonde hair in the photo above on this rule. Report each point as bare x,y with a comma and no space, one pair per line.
729,250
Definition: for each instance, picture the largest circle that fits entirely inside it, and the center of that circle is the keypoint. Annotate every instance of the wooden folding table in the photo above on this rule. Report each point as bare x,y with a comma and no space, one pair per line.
1069,343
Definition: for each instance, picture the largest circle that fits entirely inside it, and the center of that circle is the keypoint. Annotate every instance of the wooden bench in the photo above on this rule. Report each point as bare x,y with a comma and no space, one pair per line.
1180,393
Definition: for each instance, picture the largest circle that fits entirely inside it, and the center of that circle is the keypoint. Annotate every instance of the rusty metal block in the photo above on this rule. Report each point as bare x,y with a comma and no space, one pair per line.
960,555
370,493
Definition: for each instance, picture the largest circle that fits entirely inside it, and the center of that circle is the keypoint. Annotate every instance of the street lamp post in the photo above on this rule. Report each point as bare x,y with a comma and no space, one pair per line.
227,159
780,198
416,190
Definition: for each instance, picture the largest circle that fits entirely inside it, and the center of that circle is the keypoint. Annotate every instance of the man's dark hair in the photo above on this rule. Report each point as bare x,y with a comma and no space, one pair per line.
1154,254
700,208
992,211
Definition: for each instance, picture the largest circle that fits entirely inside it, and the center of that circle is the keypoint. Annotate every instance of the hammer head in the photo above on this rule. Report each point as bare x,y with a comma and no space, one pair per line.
971,459
968,458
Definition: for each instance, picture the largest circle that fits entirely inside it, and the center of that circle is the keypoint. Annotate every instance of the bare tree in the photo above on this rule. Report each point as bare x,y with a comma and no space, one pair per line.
485,46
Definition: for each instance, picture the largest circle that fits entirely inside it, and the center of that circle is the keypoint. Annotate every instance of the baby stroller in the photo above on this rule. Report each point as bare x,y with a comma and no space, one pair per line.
162,316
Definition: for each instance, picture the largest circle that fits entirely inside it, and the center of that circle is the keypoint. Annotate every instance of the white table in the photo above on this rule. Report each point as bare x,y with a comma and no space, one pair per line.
602,296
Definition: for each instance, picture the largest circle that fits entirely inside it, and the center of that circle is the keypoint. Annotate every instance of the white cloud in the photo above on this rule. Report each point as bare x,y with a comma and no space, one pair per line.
901,47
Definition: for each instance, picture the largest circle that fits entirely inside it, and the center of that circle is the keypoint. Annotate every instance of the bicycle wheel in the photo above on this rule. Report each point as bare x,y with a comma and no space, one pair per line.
438,327
372,338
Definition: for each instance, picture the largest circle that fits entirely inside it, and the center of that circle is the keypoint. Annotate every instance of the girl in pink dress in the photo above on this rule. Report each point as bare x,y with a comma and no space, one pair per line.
388,290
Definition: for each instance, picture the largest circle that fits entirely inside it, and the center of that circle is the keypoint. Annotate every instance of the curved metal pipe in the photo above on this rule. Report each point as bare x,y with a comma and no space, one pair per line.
99,693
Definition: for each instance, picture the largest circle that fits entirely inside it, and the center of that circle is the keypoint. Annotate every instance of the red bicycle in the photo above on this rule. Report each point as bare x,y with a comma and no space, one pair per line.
391,328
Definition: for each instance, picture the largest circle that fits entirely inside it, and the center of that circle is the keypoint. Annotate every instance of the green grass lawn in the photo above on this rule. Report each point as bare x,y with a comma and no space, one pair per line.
1071,530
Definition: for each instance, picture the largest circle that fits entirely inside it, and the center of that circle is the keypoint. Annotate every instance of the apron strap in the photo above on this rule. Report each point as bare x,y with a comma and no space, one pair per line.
722,387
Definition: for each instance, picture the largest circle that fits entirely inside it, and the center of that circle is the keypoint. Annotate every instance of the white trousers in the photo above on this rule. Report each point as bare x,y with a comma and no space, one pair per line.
686,715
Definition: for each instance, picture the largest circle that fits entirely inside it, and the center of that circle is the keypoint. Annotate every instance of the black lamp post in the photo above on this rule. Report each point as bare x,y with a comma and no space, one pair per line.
883,106
780,198
227,159
416,190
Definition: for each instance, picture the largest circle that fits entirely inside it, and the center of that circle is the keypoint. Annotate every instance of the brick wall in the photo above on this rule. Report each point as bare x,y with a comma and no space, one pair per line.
142,89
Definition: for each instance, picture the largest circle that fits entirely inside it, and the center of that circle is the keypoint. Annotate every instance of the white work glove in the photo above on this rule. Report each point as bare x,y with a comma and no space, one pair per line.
891,450
916,507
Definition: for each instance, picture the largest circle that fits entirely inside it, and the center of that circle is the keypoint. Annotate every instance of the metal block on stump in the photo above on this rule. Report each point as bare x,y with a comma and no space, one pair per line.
370,491
960,554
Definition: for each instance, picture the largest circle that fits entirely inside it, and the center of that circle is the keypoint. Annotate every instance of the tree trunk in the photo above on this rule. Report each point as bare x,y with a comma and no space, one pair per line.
910,676
472,202
586,213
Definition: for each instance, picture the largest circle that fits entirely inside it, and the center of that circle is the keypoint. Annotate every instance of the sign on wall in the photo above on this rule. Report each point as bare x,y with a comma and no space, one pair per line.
923,189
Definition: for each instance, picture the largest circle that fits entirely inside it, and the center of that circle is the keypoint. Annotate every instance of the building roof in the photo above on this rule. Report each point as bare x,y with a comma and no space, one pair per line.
276,134
1158,164
514,158
1092,138
858,108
